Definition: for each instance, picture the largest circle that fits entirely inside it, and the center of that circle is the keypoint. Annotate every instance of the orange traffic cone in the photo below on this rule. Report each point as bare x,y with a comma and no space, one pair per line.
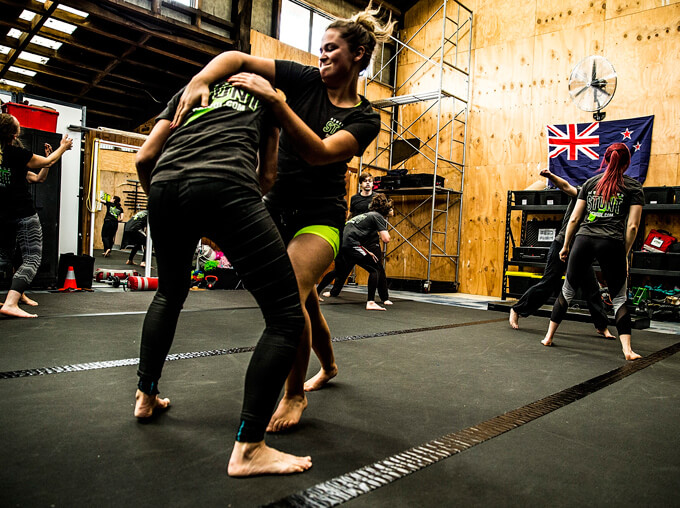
70,281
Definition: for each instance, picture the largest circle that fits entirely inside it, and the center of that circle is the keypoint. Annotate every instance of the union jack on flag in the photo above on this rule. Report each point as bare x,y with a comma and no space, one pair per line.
575,150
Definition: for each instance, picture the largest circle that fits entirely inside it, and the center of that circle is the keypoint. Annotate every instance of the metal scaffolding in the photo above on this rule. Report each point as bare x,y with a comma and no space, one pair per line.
440,153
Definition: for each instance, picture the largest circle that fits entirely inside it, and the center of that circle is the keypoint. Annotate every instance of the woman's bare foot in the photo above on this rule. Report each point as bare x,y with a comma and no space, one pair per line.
326,294
547,342
631,355
128,262
250,459
374,306
322,377
15,311
107,253
514,319
606,334
145,405
288,413
25,299
387,302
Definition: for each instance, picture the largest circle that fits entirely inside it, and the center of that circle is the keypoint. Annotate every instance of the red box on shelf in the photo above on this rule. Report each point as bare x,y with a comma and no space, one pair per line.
33,117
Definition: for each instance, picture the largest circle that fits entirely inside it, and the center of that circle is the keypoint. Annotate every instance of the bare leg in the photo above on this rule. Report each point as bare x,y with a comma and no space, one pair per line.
552,328
321,343
625,345
310,255
11,306
145,405
250,459
514,319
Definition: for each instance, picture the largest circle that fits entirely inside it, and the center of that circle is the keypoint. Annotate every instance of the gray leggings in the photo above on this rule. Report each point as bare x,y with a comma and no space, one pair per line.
27,233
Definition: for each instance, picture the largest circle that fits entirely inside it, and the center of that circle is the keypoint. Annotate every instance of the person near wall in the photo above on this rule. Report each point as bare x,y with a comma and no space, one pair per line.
359,204
202,181
114,214
19,222
324,124
360,231
608,210
551,281
134,235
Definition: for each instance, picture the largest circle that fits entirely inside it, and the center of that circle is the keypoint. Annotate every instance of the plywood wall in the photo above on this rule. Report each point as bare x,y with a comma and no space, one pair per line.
523,53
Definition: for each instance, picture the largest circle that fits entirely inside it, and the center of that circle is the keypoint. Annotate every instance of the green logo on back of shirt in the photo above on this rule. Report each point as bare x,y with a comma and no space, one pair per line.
224,95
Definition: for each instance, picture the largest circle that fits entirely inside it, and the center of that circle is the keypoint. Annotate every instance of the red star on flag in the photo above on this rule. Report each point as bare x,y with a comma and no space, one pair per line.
627,133
637,146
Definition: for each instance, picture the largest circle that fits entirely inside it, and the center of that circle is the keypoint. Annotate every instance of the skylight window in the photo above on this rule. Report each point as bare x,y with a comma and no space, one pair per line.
32,57
13,32
27,15
12,83
60,25
45,42
70,9
19,70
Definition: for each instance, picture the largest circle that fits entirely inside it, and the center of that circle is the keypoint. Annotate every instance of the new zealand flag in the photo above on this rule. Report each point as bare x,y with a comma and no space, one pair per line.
575,150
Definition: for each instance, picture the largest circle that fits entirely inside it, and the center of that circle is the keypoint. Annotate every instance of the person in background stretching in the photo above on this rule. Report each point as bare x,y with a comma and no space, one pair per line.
610,206
325,123
114,214
358,204
551,281
135,236
359,232
202,180
19,222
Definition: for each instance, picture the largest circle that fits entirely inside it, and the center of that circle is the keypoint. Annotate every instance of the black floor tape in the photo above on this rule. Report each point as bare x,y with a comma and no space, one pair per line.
362,481
60,369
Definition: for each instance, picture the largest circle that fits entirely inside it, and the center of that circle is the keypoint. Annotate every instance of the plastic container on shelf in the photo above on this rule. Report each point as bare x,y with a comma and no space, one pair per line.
33,117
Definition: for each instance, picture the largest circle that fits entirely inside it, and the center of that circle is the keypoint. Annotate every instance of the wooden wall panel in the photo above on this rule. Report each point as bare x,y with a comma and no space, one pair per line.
558,15
523,54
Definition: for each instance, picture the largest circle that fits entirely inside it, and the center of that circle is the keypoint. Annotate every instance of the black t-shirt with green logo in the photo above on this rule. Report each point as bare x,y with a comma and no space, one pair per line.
317,189
15,198
219,141
608,220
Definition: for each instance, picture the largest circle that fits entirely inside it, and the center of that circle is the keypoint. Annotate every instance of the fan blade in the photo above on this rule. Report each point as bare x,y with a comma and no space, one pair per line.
594,73
580,91
596,98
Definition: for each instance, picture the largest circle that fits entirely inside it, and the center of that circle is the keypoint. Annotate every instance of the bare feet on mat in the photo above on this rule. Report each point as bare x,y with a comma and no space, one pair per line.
374,306
288,413
387,302
631,355
326,294
251,459
107,253
319,381
547,342
15,311
606,334
128,262
514,319
146,405
25,299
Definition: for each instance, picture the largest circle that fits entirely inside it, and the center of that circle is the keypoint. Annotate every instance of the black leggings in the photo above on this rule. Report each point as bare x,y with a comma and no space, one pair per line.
27,234
109,230
347,258
611,255
234,217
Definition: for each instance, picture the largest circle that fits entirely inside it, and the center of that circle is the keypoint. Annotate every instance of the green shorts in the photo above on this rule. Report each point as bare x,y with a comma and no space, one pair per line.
328,233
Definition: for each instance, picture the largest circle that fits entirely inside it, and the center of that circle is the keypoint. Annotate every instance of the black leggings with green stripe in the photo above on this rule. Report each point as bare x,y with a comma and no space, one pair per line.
234,217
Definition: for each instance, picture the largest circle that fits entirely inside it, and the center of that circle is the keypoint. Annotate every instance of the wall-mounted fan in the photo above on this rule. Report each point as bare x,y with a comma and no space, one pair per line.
592,85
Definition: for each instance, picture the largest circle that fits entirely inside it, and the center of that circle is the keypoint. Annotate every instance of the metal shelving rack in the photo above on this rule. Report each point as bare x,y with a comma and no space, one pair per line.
447,63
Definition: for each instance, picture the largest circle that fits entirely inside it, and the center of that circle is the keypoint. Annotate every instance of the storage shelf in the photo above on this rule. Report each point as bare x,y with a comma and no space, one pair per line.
540,208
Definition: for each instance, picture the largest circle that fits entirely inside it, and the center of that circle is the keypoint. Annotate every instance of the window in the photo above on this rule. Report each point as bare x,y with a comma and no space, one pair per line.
302,26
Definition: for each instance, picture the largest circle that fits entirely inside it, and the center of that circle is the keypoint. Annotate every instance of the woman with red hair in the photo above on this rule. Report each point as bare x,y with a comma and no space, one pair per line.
610,206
